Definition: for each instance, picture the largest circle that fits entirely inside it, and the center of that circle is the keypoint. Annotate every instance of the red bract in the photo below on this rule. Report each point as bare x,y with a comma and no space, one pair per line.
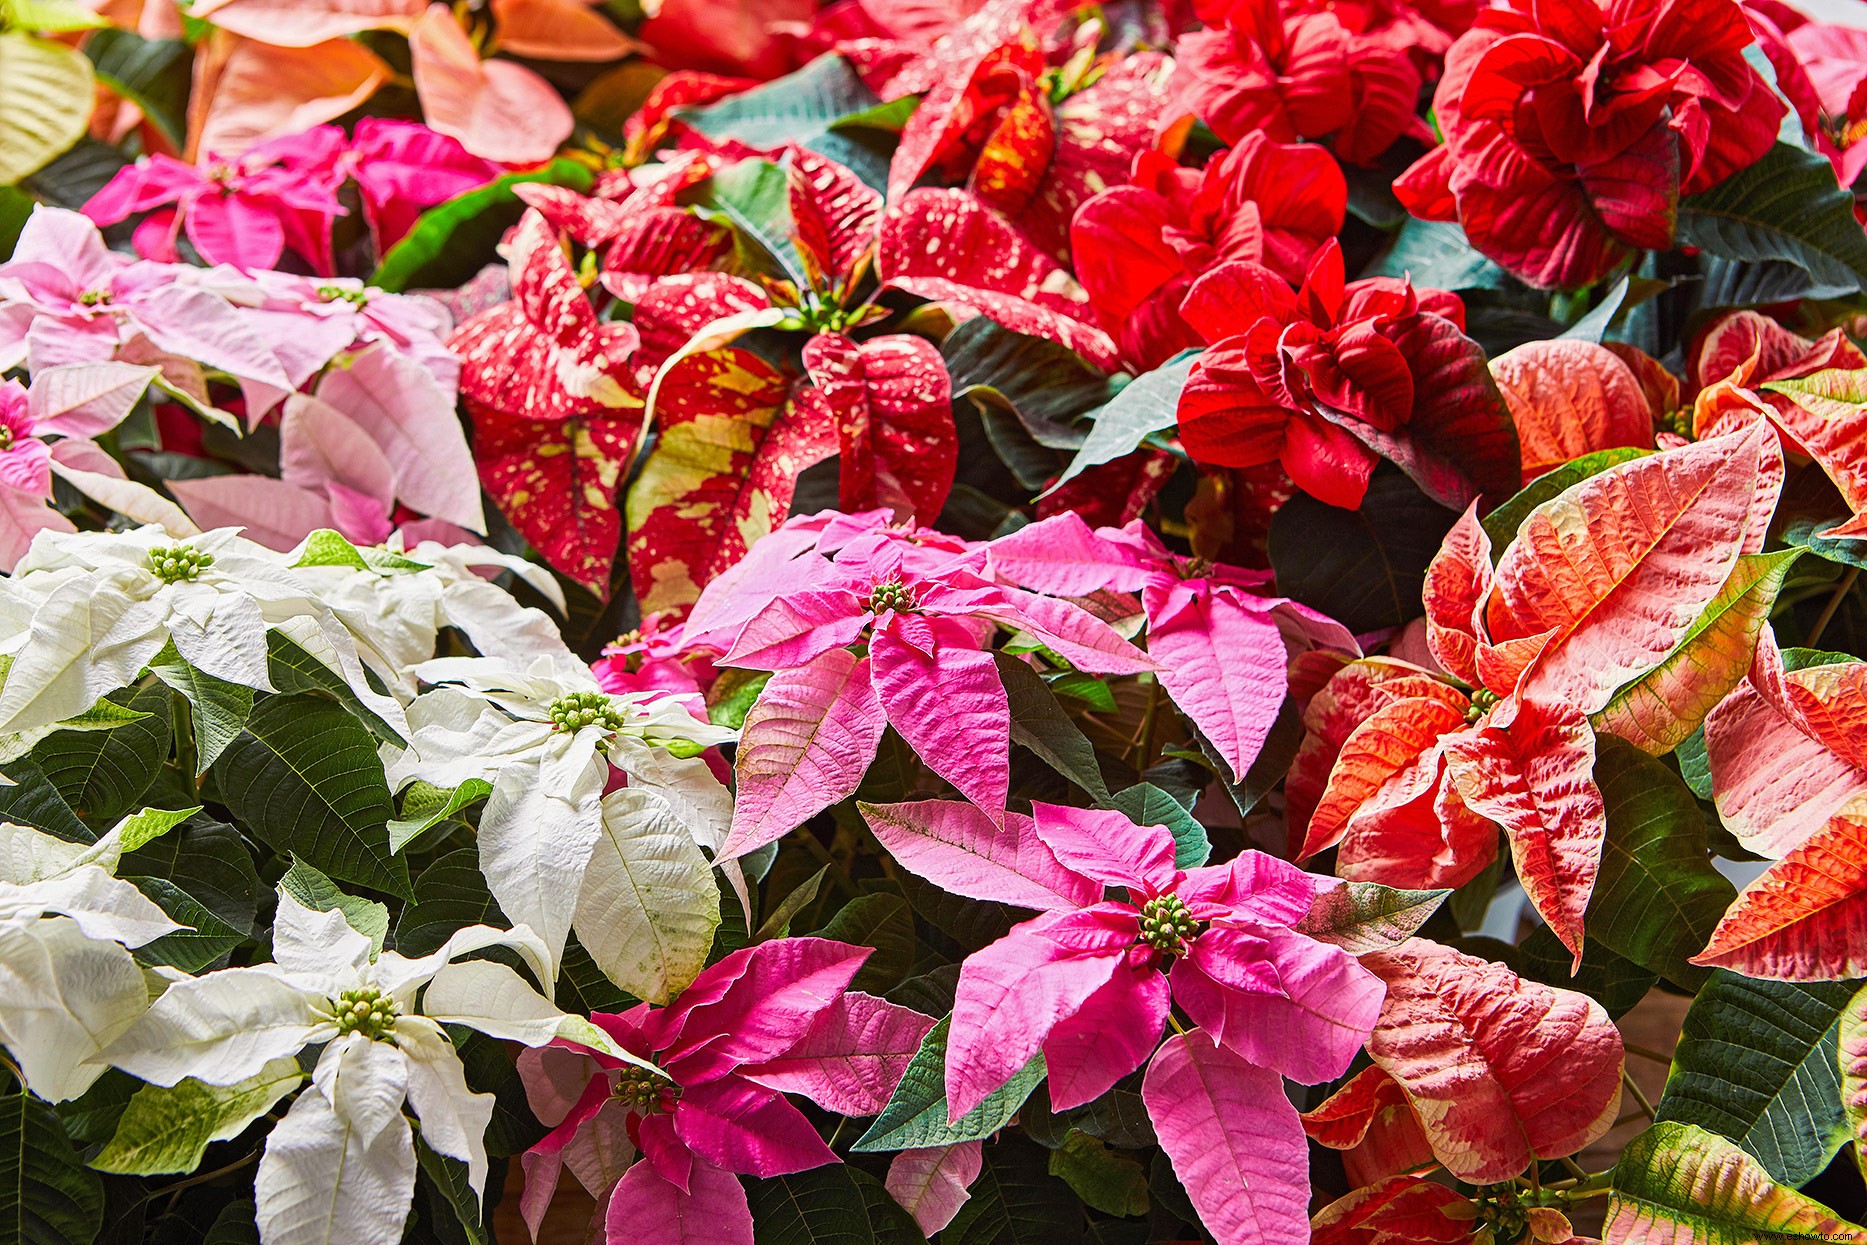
1332,377
1296,74
1572,128
1138,248
554,426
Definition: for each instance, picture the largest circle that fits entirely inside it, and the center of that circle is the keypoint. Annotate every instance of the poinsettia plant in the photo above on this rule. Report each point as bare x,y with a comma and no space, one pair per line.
764,622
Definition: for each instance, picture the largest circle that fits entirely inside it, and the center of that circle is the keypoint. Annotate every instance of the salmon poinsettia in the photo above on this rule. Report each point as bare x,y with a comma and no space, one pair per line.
1595,592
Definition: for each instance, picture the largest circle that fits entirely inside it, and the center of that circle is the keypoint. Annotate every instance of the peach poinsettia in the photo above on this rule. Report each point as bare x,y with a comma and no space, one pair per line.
1596,590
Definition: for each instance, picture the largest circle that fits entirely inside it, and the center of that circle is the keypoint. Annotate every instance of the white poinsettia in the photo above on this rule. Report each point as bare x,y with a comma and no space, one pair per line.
545,735
397,602
89,610
67,984
339,1169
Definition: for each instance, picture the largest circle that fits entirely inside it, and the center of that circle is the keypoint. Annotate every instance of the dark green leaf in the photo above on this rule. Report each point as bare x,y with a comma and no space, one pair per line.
153,74
489,1070
217,709
778,924
294,670
74,178
446,1180
755,195
1147,805
1785,207
92,1116
102,774
1016,1201
915,1116
1106,1181
207,939
47,1195
733,694
827,1206
450,894
15,206
33,801
311,888
1364,567
1361,917
210,862
1437,254
1658,896
791,109
1758,1061
305,778
1146,405
452,242
1048,386
1611,980
1040,724
425,806
882,921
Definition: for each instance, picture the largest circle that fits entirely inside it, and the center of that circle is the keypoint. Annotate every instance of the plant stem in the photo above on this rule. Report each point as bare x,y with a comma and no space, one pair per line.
1845,586
1640,1098
1644,1053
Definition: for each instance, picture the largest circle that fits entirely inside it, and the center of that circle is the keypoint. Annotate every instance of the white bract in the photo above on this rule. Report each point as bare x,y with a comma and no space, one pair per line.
544,735
397,604
85,612
67,985
339,1169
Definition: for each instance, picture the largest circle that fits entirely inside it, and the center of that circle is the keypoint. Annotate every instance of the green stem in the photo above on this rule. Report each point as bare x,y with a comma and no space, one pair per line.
1834,603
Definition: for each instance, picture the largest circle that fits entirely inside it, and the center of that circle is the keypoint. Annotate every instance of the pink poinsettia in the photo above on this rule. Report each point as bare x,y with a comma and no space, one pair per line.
1223,649
928,671
65,298
246,211
403,168
771,1019
1089,983
656,657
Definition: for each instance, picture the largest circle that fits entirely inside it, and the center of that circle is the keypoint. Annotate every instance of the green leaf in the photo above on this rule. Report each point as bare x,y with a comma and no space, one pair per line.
314,890
425,806
292,670
105,715
47,1196
1694,764
1040,724
1361,917
733,694
45,102
1146,405
1501,524
195,948
825,1205
52,17
450,894
305,778
1593,326
102,774
73,178
1016,1201
92,1116
33,801
1803,529
489,1069
1658,896
755,196
1661,708
451,242
327,548
885,922
1615,982
792,109
1438,254
1048,386
1106,1181
1758,1062
1148,805
234,1225
210,863
217,709
1853,1051
1786,206
1676,1182
153,74
778,924
1366,567
446,1178
15,207
167,1130
915,1116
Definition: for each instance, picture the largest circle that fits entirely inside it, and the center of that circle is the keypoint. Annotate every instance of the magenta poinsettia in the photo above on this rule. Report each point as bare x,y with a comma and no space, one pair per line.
1223,649
1090,982
925,667
771,1019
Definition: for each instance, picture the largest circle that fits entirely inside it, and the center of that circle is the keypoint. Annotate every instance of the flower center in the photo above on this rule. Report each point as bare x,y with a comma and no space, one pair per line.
1166,924
893,595
646,1093
1482,701
338,294
366,1011
575,710
6,438
93,298
179,563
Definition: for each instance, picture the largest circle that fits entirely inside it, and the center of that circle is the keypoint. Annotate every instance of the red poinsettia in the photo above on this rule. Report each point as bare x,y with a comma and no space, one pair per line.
1139,248
1333,377
1293,72
1573,127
